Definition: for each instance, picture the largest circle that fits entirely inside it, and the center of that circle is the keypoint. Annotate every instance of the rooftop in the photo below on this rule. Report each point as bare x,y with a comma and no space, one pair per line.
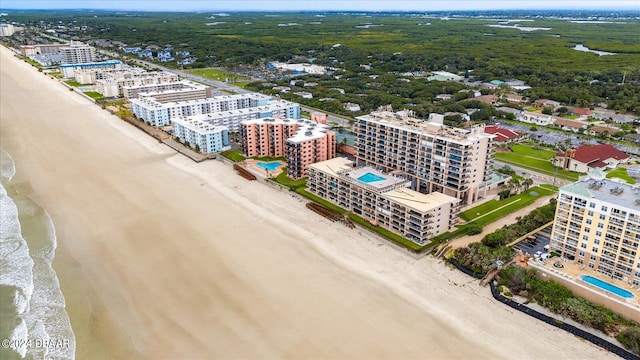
404,120
621,194
309,130
199,126
394,188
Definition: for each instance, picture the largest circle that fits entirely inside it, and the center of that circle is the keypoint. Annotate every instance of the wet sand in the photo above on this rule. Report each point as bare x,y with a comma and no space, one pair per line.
159,257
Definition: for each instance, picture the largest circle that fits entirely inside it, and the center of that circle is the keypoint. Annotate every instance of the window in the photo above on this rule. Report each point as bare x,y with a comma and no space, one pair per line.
594,249
585,237
583,245
600,225
592,205
588,221
602,216
591,266
581,253
592,257
598,233
597,242
604,208
590,213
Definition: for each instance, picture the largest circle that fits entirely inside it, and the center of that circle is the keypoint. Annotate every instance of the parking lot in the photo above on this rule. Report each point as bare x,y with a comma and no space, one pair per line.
536,243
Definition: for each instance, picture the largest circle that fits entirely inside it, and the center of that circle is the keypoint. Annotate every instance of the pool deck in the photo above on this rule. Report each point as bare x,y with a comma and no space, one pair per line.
570,275
252,166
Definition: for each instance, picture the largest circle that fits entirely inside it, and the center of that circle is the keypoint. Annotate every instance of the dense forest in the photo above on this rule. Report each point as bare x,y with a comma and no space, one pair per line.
535,49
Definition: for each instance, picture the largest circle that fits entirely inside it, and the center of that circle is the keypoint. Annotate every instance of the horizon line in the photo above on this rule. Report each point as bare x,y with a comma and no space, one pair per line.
603,7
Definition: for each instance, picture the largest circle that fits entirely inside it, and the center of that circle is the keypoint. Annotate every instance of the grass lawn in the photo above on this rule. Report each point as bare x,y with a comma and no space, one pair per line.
570,117
233,155
269,158
491,211
536,164
622,174
319,200
73,83
292,184
94,95
220,75
529,151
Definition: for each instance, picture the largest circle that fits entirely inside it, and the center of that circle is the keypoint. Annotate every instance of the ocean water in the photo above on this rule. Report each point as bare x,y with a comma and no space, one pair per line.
33,321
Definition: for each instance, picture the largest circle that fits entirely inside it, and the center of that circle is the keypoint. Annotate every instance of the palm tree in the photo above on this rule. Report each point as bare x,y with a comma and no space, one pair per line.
527,182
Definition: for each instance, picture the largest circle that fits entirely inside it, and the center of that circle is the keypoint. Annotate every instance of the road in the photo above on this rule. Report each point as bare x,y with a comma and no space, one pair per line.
538,178
220,85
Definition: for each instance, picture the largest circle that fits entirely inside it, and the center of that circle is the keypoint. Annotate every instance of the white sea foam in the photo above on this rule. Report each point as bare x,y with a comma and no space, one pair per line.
25,269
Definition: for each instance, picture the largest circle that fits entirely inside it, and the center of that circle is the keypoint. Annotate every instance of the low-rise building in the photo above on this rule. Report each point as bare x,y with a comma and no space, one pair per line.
502,135
570,125
202,136
69,70
383,199
588,157
536,118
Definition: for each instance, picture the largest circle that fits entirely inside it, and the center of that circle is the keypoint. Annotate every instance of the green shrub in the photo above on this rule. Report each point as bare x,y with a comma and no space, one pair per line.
474,229
630,338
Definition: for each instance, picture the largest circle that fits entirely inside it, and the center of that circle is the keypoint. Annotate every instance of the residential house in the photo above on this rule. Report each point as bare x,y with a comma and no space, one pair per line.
547,103
570,125
502,135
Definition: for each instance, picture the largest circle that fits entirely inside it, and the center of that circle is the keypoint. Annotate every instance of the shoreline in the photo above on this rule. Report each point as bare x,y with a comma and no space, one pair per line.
229,268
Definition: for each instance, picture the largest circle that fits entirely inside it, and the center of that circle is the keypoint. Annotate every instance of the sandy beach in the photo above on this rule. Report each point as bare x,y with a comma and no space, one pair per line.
162,258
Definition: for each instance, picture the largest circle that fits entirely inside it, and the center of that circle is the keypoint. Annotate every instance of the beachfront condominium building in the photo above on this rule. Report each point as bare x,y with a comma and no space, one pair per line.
383,199
434,157
597,225
312,143
153,89
6,29
302,142
227,110
201,135
78,53
69,70
41,49
267,136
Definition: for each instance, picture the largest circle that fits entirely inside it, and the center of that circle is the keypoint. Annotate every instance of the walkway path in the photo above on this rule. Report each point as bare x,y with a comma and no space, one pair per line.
506,220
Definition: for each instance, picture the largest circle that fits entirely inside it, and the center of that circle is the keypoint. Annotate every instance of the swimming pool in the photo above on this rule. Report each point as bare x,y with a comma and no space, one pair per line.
370,177
270,165
607,287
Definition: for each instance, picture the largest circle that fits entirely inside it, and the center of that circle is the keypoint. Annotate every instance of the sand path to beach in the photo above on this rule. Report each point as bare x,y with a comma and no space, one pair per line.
162,258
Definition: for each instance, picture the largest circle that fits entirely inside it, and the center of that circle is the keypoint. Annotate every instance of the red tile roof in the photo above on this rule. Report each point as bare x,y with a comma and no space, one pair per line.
594,155
569,123
502,134
582,111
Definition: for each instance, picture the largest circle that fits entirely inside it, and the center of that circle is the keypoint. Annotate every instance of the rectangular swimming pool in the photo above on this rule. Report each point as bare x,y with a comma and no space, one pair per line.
607,287
370,177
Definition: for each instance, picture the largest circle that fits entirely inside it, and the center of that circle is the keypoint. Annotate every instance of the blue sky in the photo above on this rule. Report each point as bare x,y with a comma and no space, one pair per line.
293,5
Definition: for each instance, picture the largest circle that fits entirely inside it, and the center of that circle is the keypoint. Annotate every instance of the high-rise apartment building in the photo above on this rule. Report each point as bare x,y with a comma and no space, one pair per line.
302,142
597,225
78,53
434,157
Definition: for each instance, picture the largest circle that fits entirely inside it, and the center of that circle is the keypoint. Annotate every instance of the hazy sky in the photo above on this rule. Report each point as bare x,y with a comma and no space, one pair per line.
293,5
